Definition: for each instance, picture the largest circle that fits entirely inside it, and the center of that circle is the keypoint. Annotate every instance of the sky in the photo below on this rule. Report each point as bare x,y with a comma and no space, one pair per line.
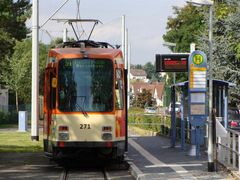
146,22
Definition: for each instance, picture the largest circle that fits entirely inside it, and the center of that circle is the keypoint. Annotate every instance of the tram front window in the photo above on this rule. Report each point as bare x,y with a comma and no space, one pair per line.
85,85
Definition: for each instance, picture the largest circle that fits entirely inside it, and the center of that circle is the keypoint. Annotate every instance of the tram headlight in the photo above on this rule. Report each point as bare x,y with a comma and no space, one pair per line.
63,136
63,133
107,136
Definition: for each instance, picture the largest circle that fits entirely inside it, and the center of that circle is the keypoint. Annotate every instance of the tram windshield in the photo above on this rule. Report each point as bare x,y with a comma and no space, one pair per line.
85,85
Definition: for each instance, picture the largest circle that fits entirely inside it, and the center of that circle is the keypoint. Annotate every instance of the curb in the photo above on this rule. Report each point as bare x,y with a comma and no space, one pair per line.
233,172
135,172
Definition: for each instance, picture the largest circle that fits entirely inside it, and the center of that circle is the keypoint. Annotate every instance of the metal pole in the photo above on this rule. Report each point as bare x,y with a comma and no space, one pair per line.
65,31
35,64
174,78
129,60
210,127
126,49
123,36
192,47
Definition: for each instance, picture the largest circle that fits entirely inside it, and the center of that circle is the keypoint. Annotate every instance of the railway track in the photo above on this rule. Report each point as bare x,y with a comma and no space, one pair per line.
85,174
114,171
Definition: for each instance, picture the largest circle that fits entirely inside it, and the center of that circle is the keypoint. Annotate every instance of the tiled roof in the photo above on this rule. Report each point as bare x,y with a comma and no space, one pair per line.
138,72
159,87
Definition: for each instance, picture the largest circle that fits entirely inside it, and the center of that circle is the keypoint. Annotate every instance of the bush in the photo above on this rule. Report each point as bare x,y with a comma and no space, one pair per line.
155,123
8,117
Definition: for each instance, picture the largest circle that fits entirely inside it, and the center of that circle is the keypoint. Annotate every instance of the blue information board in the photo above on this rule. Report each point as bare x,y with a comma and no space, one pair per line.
197,75
197,88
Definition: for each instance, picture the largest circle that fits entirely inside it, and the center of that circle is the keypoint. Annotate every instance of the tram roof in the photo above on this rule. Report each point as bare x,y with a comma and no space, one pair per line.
108,52
215,81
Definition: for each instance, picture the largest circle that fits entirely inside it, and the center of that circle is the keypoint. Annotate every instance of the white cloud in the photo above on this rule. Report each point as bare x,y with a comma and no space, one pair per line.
110,32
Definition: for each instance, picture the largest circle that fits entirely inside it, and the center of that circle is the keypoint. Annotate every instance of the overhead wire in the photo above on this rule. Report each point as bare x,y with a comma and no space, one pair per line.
79,17
54,13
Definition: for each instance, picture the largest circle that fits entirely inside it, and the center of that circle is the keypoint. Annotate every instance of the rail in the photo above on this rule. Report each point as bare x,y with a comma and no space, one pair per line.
228,150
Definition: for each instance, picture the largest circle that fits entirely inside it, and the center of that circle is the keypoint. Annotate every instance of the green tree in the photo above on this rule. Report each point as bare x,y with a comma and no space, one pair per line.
191,25
226,59
138,66
143,99
185,27
149,69
18,76
13,15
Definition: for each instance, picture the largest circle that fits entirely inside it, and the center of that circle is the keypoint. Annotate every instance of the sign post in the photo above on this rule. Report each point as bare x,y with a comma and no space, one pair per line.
197,75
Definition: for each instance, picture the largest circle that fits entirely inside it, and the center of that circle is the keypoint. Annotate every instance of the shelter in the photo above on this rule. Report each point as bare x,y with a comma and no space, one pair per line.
220,103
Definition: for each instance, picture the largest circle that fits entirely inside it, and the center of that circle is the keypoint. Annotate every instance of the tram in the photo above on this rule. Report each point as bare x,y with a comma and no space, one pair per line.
84,100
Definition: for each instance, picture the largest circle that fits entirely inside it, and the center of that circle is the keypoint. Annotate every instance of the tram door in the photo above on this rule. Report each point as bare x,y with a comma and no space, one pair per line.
50,103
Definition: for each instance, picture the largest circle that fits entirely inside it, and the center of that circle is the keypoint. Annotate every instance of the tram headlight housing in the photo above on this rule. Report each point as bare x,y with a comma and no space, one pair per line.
107,136
63,133
63,136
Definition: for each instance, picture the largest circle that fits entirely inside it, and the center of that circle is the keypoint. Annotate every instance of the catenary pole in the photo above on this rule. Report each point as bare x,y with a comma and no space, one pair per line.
35,74
129,64
123,36
126,49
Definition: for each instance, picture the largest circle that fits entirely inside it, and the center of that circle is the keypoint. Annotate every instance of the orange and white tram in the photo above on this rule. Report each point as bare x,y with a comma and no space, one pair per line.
84,100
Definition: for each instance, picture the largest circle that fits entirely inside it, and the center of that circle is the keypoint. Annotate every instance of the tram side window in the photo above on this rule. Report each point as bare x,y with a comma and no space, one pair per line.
119,89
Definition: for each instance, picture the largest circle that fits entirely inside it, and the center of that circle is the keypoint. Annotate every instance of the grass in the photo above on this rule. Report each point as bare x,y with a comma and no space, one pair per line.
12,141
4,126
135,110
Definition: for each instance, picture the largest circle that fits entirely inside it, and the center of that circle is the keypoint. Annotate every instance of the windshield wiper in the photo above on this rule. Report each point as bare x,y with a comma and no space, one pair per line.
81,109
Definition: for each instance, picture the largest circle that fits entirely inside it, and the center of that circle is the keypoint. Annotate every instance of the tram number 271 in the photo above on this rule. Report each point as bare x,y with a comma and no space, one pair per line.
85,126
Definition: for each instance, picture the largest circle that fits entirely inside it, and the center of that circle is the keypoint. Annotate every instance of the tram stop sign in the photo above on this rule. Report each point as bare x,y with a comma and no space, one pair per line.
197,75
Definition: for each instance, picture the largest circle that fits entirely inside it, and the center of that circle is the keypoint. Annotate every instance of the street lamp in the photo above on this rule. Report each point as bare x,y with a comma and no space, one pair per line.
210,128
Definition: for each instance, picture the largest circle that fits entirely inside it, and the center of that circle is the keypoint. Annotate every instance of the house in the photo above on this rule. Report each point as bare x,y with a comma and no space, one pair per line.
138,74
156,89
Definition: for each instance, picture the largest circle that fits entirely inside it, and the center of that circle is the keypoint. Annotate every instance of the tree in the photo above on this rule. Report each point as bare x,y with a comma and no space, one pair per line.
143,99
226,59
149,69
17,76
184,28
13,15
191,25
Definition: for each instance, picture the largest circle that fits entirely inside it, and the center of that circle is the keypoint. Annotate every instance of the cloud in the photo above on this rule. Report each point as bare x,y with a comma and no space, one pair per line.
145,20
110,32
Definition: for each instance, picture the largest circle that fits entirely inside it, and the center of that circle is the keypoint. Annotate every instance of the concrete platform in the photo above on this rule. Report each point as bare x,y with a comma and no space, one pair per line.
152,158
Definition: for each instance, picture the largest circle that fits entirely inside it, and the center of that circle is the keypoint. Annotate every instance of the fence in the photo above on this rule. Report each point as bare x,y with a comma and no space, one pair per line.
228,150
159,123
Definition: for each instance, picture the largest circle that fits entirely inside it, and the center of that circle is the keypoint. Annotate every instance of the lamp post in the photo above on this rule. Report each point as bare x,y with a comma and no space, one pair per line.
209,3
